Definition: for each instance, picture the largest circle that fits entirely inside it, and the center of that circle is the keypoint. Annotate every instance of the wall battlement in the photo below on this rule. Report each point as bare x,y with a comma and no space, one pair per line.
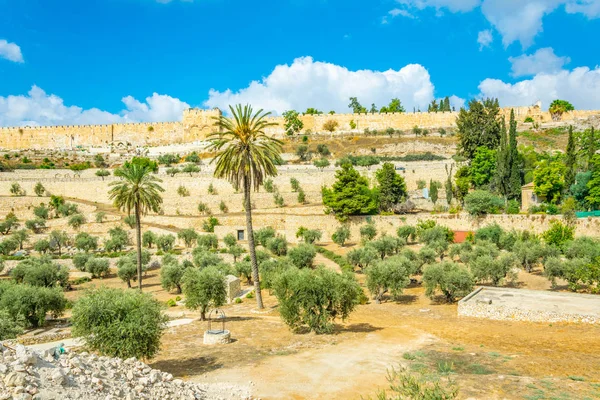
196,124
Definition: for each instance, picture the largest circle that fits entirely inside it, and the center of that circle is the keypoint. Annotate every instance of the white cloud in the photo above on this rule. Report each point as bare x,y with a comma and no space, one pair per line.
516,20
580,86
10,51
485,39
399,12
543,60
307,83
451,5
40,108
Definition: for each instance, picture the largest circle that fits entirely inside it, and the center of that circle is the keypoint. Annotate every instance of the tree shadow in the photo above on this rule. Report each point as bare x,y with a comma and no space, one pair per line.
362,327
188,366
406,299
239,319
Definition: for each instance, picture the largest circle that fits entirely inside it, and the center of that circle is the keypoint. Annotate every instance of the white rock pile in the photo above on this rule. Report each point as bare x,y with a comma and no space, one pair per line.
28,375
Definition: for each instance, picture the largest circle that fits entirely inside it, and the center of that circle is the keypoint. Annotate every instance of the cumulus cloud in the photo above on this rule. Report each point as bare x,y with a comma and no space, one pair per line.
543,60
516,20
10,51
485,39
308,83
580,86
39,108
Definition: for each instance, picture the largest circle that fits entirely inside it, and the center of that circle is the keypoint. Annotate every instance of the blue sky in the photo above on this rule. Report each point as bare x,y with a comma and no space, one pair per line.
102,61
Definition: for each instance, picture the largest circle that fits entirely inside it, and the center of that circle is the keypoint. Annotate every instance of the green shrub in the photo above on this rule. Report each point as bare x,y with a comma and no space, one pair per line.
130,221
230,240
41,211
391,275
313,299
100,217
558,234
189,236
404,385
41,272
208,241
368,232
262,235
37,225
302,256
76,221
31,303
86,242
406,231
223,207
203,258
451,279
98,267
277,245
243,269
309,236
209,224
362,257
269,186
481,202
9,327
165,242
491,233
203,209
148,239
171,274
341,235
80,259
127,266
204,289
42,246
119,323
488,269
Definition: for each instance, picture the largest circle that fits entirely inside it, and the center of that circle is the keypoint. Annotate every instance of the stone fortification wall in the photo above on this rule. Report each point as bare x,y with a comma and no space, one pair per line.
196,124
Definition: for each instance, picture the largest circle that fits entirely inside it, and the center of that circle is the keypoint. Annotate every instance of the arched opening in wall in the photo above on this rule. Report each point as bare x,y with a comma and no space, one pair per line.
197,132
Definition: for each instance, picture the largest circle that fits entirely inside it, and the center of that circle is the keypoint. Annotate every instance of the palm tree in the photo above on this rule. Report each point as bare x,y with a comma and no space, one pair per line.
245,156
138,190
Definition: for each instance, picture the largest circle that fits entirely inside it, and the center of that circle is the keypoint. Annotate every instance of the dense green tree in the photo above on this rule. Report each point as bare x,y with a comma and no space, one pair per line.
119,323
204,289
41,211
395,106
391,189
570,161
58,240
478,126
277,245
119,238
368,232
434,190
483,167
171,273
593,197
208,241
356,107
481,202
349,195
245,156
303,255
314,299
41,271
558,108
148,239
189,236
549,180
31,304
362,257
292,123
86,242
138,191
558,234
341,235
390,275
309,236
515,169
451,279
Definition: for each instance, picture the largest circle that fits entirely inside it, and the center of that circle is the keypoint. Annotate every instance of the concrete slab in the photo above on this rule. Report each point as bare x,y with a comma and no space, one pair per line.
530,305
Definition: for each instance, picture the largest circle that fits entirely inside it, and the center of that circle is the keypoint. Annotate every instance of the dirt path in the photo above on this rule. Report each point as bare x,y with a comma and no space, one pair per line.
336,372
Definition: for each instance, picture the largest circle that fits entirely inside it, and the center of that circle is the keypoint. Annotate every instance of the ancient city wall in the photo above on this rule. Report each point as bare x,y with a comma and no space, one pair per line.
196,124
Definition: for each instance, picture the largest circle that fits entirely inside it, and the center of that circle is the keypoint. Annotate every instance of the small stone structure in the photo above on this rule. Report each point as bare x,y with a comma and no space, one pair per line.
211,337
530,305
234,287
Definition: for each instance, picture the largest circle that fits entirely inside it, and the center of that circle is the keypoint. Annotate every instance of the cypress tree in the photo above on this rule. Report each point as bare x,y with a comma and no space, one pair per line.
515,173
571,158
503,166
591,148
433,191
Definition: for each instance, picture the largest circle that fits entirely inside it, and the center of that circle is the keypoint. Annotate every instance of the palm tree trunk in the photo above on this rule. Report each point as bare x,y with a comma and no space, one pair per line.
138,234
251,245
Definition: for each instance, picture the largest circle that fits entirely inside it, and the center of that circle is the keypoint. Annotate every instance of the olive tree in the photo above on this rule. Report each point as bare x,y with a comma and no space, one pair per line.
204,289
315,298
341,235
40,271
449,278
31,304
119,323
390,275
189,236
171,273
362,257
302,256
86,242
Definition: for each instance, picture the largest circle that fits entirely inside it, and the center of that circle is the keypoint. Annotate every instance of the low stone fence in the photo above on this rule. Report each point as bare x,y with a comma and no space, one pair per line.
478,305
